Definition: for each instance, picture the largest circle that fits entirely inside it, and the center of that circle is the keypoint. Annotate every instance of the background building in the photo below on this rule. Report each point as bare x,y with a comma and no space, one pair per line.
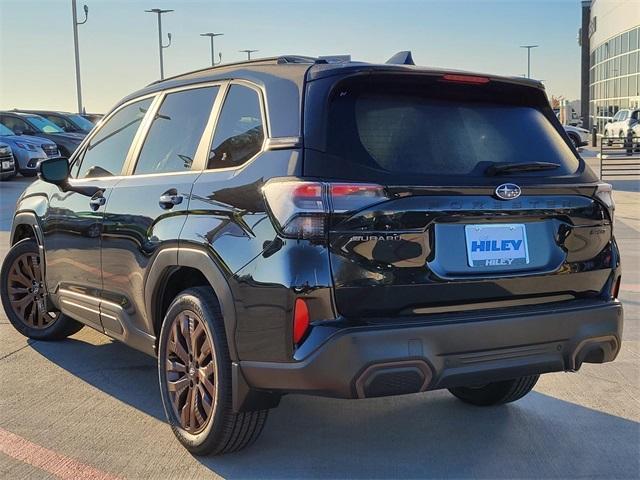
610,40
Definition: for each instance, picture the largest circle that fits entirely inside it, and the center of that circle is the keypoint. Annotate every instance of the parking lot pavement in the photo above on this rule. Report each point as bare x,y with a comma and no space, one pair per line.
91,406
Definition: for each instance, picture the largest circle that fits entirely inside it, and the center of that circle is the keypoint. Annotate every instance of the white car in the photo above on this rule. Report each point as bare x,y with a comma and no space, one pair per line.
579,136
621,123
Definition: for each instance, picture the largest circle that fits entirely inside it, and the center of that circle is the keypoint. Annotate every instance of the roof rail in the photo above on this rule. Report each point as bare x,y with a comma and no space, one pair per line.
280,60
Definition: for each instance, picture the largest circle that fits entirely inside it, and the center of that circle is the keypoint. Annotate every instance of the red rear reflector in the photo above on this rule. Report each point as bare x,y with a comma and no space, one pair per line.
616,288
300,320
470,79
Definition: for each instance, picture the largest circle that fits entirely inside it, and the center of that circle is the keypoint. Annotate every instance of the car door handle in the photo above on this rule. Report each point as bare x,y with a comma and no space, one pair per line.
97,201
169,199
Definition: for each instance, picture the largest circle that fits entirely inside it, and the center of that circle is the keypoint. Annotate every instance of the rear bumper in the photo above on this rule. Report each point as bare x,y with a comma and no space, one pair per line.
378,361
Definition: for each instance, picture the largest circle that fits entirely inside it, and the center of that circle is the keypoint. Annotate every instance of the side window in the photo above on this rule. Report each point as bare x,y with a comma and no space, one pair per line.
63,123
176,131
107,151
240,129
616,117
15,124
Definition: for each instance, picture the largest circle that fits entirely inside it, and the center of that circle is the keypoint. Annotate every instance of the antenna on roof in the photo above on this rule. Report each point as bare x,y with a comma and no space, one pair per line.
401,58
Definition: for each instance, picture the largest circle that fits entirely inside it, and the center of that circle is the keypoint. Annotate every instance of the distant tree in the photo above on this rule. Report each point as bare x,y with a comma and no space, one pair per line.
556,101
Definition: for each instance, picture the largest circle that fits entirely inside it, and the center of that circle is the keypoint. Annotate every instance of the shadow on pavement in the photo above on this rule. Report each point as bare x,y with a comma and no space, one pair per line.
124,373
424,435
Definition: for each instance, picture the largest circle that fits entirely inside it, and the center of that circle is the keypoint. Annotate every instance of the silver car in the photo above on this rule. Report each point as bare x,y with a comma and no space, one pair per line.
28,150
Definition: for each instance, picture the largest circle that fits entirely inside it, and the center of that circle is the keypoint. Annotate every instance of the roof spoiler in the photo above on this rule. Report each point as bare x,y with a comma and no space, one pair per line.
401,58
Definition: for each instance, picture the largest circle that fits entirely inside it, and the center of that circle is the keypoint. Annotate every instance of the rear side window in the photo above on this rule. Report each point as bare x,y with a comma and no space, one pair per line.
107,150
240,130
397,136
176,131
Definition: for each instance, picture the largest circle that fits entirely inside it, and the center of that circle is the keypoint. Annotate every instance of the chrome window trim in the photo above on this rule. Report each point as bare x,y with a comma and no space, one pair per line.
79,152
130,167
262,99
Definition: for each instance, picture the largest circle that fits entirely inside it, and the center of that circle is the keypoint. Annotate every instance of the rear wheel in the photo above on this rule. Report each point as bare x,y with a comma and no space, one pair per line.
23,296
496,393
195,378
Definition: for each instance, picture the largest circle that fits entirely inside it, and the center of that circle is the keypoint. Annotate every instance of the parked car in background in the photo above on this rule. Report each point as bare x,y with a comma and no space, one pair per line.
69,122
93,117
28,150
579,136
7,162
621,123
37,126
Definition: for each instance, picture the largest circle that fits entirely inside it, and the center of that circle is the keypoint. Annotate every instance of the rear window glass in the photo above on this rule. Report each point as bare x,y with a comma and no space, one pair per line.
376,133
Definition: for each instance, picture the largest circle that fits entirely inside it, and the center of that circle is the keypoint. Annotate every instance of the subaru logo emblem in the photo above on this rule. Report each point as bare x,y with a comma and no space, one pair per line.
508,191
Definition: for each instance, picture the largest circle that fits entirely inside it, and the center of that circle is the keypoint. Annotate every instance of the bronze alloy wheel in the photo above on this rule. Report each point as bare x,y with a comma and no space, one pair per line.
191,371
26,292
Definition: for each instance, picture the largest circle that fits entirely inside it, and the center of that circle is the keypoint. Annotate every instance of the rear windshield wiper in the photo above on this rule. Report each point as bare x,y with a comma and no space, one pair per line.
500,168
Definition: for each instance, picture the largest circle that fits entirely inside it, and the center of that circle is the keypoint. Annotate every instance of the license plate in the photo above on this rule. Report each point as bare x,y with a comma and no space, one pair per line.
6,165
496,245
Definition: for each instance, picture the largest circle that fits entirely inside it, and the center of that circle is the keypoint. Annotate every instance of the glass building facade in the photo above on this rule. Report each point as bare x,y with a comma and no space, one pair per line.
614,76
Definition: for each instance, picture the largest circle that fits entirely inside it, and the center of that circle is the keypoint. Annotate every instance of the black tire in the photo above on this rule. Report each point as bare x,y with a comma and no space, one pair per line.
28,173
223,431
496,393
56,325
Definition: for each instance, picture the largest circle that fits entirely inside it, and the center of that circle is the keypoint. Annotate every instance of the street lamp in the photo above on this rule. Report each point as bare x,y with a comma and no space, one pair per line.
77,50
248,52
529,47
160,12
213,58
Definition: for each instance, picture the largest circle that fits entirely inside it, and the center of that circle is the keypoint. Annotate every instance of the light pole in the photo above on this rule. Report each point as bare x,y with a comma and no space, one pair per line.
248,52
213,57
74,10
160,45
529,47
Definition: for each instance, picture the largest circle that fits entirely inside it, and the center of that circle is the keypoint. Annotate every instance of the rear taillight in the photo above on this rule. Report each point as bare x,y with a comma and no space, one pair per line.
604,193
301,209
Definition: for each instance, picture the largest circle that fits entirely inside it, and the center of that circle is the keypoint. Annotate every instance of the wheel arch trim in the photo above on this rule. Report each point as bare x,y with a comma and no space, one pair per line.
200,260
29,217
26,218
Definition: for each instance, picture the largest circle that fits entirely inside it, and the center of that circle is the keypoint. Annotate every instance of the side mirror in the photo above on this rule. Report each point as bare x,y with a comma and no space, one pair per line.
610,120
55,171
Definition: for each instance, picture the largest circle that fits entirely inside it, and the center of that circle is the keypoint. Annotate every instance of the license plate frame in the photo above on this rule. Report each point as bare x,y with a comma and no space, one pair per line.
496,245
6,165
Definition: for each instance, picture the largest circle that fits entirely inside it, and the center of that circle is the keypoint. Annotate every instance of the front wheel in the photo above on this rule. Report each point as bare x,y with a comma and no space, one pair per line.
496,393
22,291
195,378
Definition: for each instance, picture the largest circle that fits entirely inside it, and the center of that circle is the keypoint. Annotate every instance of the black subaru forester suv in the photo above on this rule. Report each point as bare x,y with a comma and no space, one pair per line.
293,225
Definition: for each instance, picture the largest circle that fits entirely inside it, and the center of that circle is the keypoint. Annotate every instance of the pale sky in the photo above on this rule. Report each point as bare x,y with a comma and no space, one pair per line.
119,43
